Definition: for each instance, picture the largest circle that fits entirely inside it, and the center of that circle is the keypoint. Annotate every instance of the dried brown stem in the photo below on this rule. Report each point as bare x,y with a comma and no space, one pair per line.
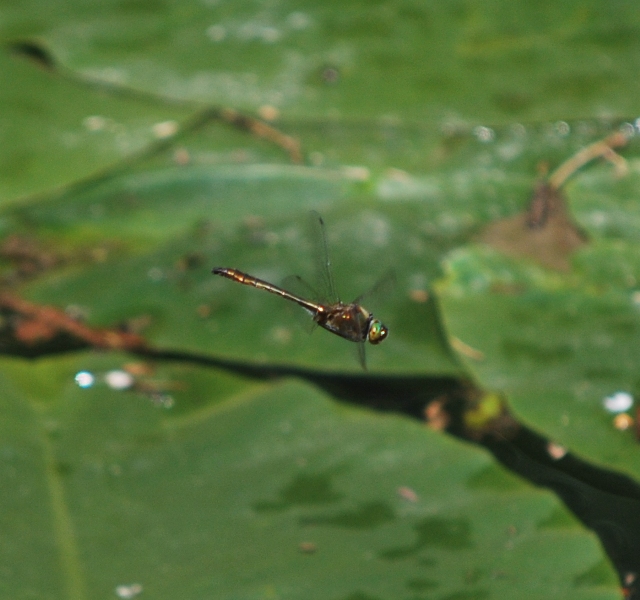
602,148
261,129
41,323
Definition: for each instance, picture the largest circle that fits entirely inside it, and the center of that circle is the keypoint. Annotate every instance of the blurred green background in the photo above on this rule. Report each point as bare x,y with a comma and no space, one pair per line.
420,123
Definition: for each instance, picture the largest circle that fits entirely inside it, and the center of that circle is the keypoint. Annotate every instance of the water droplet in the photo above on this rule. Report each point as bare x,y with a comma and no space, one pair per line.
628,130
119,380
84,379
618,402
484,134
155,274
128,591
94,123
165,129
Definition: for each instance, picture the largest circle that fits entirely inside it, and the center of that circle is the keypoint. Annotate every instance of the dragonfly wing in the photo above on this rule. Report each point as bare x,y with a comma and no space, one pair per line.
298,286
359,324
380,288
362,355
324,275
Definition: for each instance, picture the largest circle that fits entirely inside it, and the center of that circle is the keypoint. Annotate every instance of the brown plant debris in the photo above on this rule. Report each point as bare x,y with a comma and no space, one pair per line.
600,149
27,327
27,256
263,130
545,231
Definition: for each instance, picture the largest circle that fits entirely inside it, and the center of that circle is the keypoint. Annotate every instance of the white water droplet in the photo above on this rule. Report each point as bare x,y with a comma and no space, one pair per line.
484,134
128,591
119,380
618,402
84,379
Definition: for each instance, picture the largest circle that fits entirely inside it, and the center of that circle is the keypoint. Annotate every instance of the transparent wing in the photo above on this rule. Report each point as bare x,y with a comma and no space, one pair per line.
296,285
322,260
381,288
362,355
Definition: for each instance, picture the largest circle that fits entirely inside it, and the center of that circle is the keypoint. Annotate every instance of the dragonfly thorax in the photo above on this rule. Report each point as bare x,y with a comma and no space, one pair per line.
352,322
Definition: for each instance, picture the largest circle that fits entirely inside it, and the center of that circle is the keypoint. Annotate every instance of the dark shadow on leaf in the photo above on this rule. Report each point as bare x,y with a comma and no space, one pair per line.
422,585
435,532
596,575
33,51
366,516
360,596
304,490
468,595
538,353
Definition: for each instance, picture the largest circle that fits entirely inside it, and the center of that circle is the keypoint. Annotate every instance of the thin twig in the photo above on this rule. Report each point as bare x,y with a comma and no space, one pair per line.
602,148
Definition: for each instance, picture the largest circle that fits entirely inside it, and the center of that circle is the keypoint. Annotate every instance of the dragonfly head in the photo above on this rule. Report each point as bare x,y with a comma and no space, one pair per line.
377,332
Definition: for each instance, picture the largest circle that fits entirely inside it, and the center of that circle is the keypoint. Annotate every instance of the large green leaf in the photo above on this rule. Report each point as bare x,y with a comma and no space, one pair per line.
171,280
403,59
559,344
396,72
55,132
248,490
214,497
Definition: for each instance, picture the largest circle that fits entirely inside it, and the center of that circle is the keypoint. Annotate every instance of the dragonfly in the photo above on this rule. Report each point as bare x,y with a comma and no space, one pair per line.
350,321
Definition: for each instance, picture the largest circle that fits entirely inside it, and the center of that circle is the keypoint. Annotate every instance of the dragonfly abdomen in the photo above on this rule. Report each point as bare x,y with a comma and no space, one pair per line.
241,277
260,284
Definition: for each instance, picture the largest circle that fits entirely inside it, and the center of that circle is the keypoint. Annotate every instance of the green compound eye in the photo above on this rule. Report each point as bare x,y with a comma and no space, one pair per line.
377,332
